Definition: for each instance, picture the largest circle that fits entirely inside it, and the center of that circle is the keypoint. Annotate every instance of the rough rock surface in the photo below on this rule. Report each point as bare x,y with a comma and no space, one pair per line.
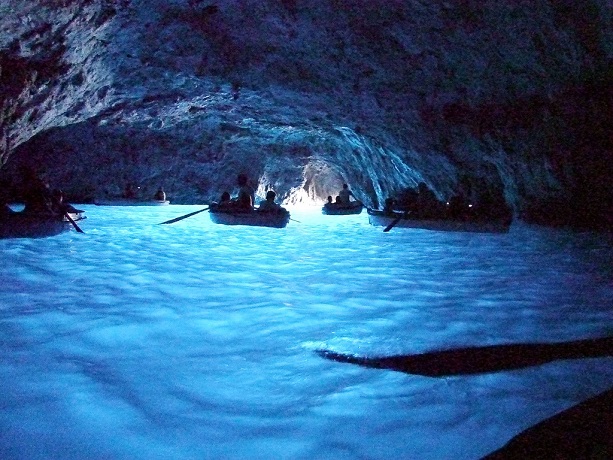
306,94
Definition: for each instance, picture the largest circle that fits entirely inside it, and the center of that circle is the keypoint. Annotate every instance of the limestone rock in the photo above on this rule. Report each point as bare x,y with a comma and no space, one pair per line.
306,95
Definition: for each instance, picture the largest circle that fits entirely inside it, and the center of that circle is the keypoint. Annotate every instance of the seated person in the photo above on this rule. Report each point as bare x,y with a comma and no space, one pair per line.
129,192
246,194
329,203
60,205
269,204
160,195
406,200
388,208
428,205
457,207
345,194
38,198
225,199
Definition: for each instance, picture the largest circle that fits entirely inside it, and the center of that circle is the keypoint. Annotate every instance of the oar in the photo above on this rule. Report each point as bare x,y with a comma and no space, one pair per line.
395,221
177,219
295,220
477,360
74,224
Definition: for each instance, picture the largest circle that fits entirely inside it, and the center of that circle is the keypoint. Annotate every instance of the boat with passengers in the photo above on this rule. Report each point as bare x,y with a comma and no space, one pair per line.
130,202
233,215
407,219
20,224
342,209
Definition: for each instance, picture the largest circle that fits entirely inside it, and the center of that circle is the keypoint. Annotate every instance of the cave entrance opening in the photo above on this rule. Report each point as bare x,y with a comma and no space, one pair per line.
320,180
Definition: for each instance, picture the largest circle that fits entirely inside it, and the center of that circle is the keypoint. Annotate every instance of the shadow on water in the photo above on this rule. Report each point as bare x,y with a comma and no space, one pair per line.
582,431
478,360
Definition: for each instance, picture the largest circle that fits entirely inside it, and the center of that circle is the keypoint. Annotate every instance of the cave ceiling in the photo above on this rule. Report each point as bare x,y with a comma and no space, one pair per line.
306,95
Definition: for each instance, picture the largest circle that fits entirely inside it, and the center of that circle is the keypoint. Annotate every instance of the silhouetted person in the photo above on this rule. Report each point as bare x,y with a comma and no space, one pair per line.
61,206
345,194
458,206
129,192
388,207
329,204
269,203
225,199
407,200
160,195
37,198
427,204
246,194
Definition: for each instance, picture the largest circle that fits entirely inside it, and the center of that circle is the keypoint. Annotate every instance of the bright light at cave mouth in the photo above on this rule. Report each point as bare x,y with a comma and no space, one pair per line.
300,198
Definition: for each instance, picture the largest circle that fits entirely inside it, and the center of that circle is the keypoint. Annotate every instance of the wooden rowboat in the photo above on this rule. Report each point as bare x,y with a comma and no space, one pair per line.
130,202
26,225
335,209
231,216
381,218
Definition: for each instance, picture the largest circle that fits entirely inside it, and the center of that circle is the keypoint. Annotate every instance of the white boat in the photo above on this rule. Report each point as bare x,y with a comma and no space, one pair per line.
130,202
442,225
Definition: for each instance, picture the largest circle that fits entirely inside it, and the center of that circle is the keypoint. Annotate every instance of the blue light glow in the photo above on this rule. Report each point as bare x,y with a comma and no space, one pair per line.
195,340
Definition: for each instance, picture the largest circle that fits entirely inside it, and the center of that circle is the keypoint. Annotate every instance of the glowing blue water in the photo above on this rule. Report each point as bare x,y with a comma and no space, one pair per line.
194,340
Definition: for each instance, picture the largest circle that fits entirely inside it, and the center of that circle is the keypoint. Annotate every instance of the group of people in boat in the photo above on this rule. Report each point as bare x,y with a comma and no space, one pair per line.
245,199
130,192
343,199
422,203
39,199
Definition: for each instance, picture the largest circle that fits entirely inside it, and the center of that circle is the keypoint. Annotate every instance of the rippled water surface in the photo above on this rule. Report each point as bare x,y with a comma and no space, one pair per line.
195,340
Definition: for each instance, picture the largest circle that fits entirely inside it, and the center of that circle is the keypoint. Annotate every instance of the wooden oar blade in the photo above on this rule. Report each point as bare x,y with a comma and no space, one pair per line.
395,221
392,225
177,219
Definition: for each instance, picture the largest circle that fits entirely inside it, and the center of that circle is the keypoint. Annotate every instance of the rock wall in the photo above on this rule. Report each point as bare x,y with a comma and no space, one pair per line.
306,94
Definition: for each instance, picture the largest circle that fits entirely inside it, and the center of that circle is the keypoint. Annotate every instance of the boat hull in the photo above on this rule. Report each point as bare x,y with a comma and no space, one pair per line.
128,202
253,218
20,225
335,210
379,218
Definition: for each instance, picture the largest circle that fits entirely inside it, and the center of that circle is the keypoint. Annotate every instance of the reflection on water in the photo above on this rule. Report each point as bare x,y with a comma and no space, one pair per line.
196,340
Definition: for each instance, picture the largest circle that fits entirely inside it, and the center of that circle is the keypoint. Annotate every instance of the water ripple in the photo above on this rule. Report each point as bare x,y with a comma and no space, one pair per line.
196,340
